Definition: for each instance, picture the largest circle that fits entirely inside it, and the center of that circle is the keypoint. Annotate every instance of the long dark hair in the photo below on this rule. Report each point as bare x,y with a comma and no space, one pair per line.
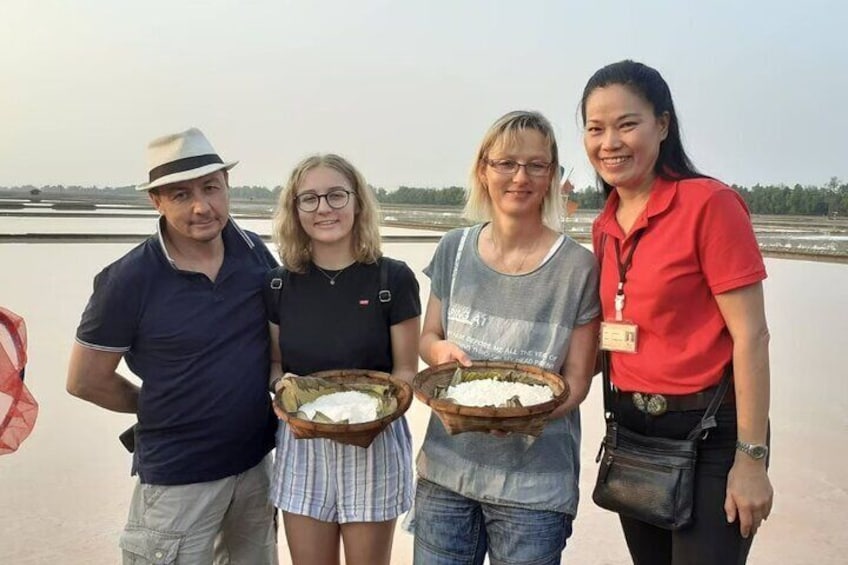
646,82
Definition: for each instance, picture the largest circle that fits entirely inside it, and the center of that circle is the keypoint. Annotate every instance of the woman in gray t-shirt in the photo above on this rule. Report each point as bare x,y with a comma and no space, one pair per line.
511,288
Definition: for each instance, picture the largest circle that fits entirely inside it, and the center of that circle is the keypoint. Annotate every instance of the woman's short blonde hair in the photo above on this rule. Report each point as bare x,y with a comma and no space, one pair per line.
294,245
504,133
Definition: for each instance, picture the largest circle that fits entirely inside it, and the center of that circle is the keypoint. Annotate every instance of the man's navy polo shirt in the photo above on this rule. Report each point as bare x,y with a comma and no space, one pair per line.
201,351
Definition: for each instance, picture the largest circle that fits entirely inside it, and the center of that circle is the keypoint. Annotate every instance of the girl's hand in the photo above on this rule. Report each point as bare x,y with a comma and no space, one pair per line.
281,414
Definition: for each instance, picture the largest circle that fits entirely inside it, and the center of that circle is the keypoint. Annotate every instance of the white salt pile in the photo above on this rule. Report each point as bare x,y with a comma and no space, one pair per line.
489,392
355,407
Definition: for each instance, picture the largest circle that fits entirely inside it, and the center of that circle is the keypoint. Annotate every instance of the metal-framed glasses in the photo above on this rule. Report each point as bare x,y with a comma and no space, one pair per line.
336,199
510,167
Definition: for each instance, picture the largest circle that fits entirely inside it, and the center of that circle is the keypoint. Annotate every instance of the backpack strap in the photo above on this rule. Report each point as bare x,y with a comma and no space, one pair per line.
273,288
385,294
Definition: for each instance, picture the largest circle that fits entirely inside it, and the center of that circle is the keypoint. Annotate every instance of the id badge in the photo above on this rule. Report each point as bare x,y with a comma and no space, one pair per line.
619,336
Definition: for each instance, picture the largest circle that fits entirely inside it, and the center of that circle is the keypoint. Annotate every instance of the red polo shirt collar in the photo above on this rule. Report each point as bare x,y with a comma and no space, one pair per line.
662,193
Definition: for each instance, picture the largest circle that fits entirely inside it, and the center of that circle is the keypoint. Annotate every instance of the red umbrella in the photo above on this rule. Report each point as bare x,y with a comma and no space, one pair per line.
18,409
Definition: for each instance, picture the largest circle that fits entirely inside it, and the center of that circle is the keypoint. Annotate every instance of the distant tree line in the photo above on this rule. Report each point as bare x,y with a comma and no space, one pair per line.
450,196
828,200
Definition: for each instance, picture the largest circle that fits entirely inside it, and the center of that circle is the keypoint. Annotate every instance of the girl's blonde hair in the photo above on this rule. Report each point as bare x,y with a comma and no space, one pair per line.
294,245
504,133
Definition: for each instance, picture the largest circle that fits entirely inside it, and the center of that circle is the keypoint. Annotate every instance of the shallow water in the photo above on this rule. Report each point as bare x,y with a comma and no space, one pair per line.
64,495
776,234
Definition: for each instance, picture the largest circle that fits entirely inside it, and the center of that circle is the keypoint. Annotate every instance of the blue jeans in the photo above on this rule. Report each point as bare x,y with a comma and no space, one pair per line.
451,529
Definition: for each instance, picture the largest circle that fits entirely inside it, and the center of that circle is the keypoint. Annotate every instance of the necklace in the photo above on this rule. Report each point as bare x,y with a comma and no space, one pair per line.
517,269
332,278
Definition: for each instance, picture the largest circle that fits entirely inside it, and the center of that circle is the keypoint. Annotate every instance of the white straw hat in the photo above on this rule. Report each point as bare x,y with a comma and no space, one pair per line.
180,157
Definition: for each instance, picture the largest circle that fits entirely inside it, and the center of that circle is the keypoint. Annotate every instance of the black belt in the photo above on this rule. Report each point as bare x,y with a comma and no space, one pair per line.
657,404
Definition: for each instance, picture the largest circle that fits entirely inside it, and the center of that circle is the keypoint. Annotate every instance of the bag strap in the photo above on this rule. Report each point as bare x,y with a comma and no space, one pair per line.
605,371
708,422
605,356
459,247
455,270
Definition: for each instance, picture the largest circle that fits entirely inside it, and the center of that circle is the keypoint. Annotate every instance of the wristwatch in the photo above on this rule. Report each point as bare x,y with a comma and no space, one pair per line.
752,450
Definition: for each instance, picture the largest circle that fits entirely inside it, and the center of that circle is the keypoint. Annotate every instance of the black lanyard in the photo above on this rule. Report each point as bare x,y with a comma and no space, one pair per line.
622,271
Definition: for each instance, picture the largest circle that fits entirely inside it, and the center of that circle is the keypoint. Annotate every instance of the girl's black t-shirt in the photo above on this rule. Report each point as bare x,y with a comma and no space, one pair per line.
344,325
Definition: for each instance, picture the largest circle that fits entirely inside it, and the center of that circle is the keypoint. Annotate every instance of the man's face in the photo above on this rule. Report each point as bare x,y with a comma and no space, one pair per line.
196,210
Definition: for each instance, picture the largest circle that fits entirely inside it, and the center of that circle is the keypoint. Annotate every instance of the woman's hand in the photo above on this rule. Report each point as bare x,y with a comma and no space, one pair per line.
434,348
444,351
749,494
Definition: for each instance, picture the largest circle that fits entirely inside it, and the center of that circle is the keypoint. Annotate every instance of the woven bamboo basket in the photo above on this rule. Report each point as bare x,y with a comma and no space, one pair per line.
457,418
361,434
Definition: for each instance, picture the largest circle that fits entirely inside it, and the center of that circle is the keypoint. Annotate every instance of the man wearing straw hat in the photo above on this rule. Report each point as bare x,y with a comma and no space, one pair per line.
184,309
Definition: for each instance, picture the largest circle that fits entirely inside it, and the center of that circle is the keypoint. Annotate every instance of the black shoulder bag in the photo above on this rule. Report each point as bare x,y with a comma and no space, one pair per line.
650,479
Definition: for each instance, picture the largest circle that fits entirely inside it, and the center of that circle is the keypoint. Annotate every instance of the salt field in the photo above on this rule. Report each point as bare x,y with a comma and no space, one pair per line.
780,235
64,495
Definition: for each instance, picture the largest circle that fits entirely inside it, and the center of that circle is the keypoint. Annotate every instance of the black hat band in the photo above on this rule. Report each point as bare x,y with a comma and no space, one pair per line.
185,164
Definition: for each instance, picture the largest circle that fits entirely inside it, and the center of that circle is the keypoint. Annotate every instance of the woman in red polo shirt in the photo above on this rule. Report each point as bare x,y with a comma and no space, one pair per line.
681,278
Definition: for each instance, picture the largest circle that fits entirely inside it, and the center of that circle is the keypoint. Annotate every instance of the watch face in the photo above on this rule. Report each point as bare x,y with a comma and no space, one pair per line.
753,450
758,451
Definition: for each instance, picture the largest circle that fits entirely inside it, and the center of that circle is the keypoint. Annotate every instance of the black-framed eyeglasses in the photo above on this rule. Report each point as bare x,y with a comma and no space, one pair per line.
510,167
336,199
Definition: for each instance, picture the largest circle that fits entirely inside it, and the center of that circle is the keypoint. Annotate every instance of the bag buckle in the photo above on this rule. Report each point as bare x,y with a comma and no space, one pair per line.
653,404
385,296
276,283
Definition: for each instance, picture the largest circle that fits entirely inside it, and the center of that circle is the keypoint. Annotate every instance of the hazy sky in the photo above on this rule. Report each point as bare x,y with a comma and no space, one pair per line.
407,89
